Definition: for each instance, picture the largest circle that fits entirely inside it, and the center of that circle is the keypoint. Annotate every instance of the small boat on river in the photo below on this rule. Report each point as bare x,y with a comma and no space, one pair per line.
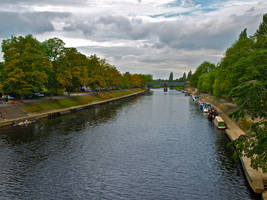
212,114
195,98
23,123
219,122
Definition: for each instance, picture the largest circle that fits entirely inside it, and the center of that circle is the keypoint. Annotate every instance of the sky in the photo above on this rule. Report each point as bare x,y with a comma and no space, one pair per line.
139,36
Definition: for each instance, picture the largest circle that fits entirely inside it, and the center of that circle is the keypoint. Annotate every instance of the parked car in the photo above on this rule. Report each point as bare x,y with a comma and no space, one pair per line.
38,94
8,97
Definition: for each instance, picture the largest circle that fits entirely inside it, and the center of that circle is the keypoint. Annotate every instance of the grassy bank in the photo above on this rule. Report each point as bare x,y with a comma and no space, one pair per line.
49,105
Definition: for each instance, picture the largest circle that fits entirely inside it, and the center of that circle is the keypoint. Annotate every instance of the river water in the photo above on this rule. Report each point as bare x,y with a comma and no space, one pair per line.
155,146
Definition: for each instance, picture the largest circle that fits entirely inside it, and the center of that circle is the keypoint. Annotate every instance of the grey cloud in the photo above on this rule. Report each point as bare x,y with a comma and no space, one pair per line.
12,23
112,27
196,34
214,34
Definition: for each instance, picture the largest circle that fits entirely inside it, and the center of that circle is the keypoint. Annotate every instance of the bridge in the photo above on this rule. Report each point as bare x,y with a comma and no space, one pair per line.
165,83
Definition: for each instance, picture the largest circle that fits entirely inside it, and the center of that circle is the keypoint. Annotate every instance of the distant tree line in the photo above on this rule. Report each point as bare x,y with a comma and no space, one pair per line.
31,66
241,77
184,78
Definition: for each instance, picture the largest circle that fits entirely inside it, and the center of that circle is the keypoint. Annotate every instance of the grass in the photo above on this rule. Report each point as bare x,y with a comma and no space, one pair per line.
49,105
179,88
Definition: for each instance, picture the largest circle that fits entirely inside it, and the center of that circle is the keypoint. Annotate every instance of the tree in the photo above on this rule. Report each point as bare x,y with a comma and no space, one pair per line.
184,76
231,69
205,67
147,78
171,77
206,81
53,48
261,34
189,75
243,34
72,69
2,77
126,80
251,97
263,26
97,68
26,68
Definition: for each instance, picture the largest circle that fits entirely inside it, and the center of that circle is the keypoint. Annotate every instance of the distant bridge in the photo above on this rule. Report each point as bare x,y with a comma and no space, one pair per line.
165,83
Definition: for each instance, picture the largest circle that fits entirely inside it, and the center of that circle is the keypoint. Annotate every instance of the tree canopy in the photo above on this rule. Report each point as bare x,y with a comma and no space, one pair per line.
171,76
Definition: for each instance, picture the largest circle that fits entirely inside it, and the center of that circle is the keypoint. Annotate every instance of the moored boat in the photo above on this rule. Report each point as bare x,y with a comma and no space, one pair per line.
212,114
219,122
23,123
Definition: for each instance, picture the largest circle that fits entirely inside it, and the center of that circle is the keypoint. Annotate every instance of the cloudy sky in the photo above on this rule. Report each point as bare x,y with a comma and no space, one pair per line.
143,36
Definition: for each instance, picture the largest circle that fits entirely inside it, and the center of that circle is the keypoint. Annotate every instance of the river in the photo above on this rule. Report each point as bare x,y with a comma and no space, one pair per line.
152,147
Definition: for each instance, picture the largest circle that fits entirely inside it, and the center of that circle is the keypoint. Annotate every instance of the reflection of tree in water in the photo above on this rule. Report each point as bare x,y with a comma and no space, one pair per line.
64,125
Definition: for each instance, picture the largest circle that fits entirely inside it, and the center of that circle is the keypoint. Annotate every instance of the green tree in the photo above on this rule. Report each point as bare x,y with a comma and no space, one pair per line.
53,48
189,75
243,34
263,26
231,69
205,67
261,34
206,81
251,97
184,77
171,77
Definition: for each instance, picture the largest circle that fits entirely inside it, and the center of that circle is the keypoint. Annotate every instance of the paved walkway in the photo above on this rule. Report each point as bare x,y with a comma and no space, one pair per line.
11,111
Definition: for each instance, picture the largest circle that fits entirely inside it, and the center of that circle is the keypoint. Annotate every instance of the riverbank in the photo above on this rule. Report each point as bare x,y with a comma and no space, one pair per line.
256,178
54,108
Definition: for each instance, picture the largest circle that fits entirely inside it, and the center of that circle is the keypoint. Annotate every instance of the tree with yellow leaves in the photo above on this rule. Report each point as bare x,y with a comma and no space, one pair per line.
25,68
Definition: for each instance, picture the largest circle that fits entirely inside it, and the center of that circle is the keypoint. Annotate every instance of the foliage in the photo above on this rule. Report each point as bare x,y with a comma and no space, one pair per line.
171,76
1,76
251,97
53,48
26,68
243,34
205,67
263,26
189,74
